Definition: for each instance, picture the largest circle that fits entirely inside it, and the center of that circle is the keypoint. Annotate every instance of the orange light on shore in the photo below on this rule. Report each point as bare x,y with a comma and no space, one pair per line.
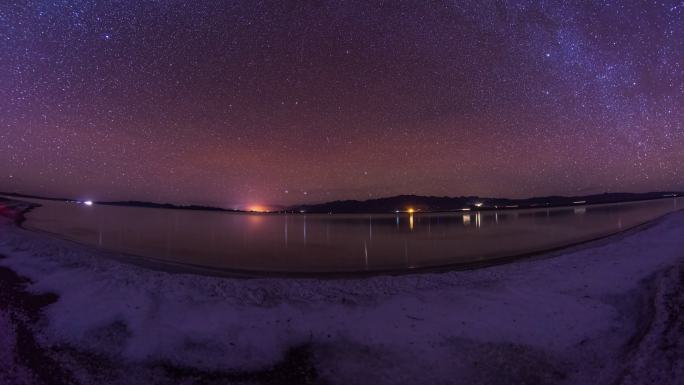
411,210
257,209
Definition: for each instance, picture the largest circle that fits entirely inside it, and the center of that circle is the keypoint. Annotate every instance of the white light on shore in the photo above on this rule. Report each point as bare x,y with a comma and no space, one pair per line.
88,203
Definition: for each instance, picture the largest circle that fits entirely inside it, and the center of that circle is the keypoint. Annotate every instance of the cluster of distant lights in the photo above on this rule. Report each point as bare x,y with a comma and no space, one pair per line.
411,210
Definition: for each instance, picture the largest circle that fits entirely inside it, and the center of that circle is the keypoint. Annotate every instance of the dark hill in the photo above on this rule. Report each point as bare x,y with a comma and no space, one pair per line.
432,203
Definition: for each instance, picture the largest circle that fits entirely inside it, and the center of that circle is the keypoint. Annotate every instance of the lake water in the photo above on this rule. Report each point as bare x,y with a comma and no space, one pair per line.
305,243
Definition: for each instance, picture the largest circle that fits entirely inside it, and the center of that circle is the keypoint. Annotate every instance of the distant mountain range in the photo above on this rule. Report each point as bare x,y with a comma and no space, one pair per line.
409,203
431,203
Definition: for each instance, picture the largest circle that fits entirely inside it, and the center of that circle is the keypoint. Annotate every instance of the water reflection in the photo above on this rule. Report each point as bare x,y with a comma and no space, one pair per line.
370,227
287,219
255,219
333,242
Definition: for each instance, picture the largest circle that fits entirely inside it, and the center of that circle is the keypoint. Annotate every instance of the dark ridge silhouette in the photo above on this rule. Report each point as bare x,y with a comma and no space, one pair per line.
432,203
406,202
164,206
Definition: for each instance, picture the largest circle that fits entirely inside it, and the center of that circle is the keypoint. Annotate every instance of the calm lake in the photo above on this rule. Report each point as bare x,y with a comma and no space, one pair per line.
303,243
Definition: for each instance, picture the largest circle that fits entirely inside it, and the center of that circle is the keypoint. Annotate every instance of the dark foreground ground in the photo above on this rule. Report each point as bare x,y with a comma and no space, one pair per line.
35,364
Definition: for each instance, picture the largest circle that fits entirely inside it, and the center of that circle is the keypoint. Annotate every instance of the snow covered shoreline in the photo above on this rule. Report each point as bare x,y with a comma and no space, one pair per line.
605,312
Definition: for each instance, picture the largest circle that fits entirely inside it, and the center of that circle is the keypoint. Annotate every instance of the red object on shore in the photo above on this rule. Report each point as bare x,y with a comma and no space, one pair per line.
8,212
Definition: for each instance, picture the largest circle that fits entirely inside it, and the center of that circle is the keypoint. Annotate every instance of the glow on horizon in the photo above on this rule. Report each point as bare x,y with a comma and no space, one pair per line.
257,209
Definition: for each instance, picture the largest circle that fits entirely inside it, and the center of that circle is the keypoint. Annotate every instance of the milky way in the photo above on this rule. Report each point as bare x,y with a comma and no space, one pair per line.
234,103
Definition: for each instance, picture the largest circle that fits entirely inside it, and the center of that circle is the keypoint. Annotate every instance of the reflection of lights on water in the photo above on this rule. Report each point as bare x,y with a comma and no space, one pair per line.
580,210
365,253
478,220
466,220
411,220
304,229
286,220
255,219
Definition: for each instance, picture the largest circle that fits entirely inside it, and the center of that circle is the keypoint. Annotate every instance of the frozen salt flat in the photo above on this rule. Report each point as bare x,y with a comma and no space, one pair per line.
603,313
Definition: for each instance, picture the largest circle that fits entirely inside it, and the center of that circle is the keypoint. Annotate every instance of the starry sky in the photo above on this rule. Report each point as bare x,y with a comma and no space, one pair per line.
233,103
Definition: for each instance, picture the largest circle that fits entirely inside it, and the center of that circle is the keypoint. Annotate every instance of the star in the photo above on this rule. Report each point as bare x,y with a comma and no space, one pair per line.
220,105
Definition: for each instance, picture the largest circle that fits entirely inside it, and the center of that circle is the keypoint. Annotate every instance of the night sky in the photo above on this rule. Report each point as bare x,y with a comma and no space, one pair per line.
244,102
